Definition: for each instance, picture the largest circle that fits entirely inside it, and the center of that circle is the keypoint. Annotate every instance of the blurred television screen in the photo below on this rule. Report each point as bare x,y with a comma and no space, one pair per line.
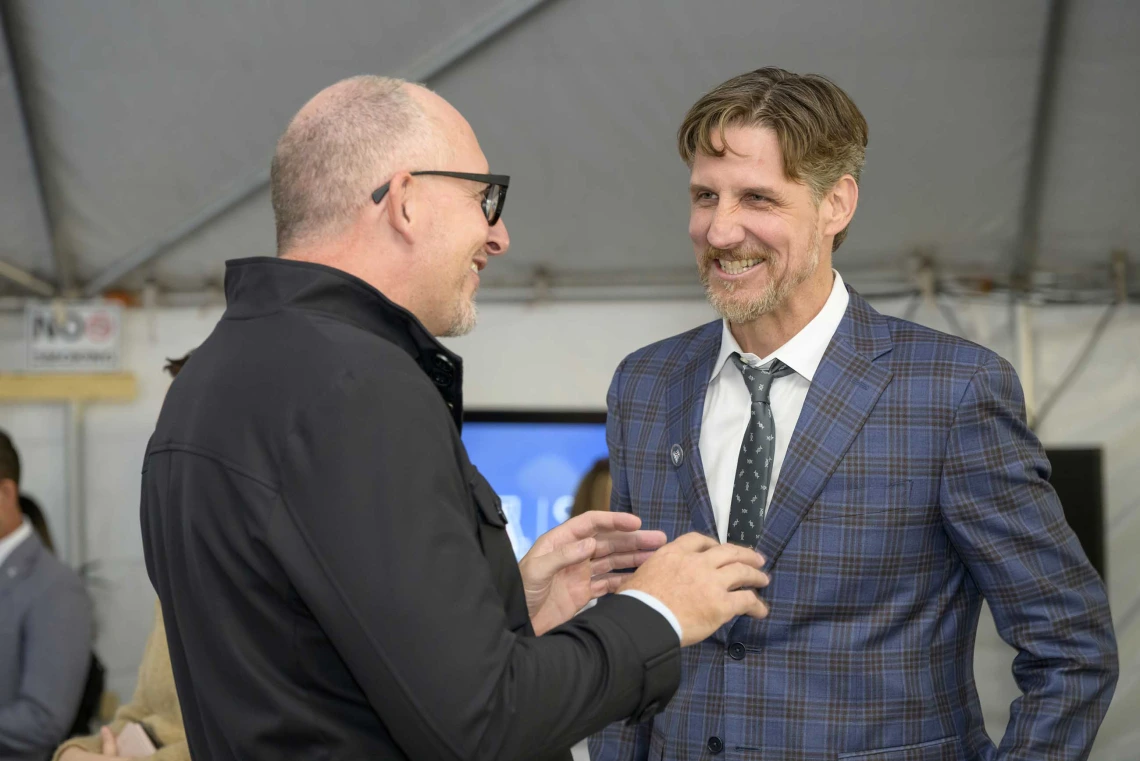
534,461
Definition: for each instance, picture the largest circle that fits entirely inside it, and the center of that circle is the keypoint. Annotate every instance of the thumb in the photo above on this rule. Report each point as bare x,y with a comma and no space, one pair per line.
570,554
541,570
567,555
579,551
110,747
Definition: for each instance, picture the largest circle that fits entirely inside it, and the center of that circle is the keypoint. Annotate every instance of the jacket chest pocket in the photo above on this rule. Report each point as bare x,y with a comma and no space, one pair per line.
863,500
497,549
488,502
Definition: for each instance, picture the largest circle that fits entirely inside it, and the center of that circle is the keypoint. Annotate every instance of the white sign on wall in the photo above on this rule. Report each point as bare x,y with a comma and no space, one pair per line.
73,336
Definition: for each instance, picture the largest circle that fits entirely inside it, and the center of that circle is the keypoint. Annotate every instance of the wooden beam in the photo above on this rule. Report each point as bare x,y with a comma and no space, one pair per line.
67,387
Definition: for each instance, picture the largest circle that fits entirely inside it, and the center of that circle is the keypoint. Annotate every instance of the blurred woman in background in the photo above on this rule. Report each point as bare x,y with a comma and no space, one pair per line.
594,489
154,707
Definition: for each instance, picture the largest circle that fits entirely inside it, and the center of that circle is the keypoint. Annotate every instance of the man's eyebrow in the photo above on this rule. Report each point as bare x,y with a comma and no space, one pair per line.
769,193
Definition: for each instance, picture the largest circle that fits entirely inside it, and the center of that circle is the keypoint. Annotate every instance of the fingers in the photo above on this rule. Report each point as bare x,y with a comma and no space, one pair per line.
594,522
740,576
744,602
694,542
542,567
625,541
725,554
577,552
110,746
620,561
611,583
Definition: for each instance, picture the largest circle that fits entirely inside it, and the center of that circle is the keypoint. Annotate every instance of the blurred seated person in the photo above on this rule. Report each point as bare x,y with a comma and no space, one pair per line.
93,689
34,515
593,490
154,706
45,631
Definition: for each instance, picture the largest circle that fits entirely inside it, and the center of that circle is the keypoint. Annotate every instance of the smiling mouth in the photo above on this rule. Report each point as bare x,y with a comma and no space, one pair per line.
738,266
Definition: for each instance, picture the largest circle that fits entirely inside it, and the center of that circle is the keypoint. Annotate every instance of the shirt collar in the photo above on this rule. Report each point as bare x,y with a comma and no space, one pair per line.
804,351
9,543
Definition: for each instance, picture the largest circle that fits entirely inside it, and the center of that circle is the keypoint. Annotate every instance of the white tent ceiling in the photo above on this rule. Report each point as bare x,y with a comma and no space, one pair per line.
146,119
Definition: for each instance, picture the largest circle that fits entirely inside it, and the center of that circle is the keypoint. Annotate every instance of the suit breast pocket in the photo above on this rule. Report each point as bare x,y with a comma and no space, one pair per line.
946,749
863,499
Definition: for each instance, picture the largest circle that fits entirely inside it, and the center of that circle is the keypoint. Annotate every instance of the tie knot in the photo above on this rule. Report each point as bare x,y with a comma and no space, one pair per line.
759,379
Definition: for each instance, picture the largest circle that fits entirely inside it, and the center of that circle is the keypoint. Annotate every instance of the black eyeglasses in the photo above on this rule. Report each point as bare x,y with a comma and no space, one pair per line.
493,197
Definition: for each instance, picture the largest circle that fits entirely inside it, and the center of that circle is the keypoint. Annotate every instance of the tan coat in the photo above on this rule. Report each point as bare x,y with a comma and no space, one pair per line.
155,703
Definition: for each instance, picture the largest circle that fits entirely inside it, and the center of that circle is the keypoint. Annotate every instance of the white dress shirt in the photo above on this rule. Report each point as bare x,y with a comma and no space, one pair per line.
728,404
9,543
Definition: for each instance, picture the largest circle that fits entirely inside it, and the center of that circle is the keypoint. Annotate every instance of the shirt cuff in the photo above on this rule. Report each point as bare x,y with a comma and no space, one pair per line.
658,606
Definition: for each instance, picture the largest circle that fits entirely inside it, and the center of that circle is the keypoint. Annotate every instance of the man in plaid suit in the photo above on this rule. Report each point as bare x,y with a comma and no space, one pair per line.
897,486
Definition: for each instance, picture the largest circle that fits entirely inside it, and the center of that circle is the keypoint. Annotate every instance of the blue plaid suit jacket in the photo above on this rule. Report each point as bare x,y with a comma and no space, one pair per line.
912,488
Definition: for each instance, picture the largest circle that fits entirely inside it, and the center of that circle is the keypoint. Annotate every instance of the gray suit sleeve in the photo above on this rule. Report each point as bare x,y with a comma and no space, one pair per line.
55,654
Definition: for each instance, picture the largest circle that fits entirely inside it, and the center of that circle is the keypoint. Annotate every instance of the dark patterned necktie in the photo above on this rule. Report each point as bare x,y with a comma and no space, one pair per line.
757,450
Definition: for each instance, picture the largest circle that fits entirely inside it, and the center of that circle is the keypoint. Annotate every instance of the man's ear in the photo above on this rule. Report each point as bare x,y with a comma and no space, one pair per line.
403,207
838,205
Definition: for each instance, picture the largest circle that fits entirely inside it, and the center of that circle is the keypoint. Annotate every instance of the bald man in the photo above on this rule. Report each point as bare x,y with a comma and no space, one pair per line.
335,575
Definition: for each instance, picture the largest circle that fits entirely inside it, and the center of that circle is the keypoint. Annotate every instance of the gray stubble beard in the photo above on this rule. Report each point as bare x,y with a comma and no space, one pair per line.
773,295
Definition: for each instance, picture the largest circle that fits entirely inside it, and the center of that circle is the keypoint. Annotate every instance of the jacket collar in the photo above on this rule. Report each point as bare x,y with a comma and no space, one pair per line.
21,562
262,285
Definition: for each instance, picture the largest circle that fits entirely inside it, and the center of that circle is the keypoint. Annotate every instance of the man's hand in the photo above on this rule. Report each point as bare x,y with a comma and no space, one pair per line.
572,563
110,750
704,583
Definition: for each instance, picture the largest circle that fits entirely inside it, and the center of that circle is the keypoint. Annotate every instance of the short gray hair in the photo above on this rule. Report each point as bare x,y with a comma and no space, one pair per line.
339,149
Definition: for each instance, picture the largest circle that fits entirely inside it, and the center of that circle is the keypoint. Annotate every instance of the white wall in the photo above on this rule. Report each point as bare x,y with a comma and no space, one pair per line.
562,356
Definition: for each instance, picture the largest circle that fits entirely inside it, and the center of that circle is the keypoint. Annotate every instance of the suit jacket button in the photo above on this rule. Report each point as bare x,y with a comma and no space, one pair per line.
736,651
715,745
443,374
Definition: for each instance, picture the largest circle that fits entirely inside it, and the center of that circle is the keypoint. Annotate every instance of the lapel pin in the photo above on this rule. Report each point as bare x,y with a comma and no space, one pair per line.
677,455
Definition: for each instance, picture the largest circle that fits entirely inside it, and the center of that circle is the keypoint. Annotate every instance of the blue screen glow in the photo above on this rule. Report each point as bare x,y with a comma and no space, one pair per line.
535,469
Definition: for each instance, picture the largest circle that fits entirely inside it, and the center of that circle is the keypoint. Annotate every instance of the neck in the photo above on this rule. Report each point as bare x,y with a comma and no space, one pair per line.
770,331
9,527
379,269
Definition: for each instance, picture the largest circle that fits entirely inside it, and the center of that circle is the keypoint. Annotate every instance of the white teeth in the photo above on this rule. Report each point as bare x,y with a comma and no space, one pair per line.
738,266
475,268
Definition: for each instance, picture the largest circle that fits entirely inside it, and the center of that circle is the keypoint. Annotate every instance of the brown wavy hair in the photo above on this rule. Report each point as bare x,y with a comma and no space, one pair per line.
594,489
821,132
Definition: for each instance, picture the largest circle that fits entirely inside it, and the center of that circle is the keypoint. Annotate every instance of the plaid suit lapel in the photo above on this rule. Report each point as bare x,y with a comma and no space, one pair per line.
846,387
686,404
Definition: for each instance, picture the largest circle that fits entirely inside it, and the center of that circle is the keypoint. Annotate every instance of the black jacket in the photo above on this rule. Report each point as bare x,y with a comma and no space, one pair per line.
335,575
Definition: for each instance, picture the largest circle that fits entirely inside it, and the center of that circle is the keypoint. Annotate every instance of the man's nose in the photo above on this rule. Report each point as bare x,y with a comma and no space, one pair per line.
724,232
498,240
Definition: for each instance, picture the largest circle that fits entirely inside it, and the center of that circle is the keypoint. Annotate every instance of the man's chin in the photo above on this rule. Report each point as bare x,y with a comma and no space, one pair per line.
464,321
737,305
738,311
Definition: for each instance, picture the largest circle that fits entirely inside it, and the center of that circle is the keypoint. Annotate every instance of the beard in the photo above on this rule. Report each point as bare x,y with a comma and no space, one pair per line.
463,318
740,306
464,314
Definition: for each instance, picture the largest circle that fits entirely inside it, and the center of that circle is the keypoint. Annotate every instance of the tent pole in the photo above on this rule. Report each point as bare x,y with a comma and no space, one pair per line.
26,280
76,519
1026,359
434,62
1026,249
